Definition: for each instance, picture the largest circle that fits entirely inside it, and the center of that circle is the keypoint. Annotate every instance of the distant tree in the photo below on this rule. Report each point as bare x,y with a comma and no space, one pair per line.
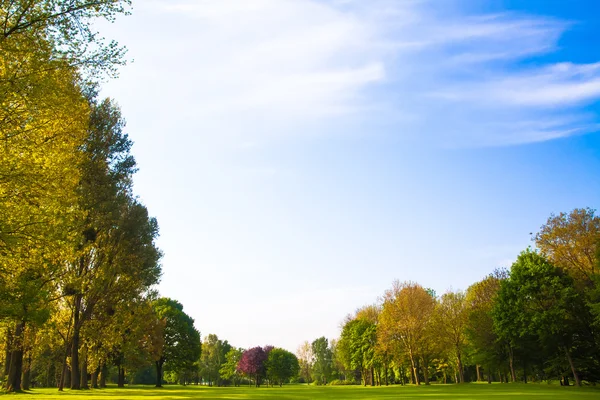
451,322
570,241
281,365
406,320
323,360
252,364
229,369
212,358
488,349
179,345
539,300
357,346
305,358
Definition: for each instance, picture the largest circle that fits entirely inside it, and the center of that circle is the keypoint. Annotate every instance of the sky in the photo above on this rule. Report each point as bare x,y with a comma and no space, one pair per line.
301,155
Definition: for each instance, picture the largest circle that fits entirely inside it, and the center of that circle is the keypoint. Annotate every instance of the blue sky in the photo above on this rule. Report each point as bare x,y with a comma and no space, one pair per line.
301,155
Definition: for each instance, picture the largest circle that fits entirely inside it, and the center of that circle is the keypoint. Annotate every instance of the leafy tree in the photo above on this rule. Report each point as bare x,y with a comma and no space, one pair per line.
252,364
39,133
406,320
323,360
229,369
179,346
539,300
213,357
357,346
570,242
68,25
281,365
488,349
452,317
305,359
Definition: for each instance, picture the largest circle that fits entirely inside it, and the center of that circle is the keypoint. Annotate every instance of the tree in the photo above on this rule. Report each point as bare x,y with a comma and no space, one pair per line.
213,356
68,25
488,349
570,241
116,257
179,347
229,369
323,360
252,364
357,346
405,319
305,359
539,300
40,133
281,365
452,317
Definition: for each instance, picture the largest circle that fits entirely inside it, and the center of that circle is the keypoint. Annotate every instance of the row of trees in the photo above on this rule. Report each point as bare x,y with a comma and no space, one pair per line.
78,258
538,321
222,364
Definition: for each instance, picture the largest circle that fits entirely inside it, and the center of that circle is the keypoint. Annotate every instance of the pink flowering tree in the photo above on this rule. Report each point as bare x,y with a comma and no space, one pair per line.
253,363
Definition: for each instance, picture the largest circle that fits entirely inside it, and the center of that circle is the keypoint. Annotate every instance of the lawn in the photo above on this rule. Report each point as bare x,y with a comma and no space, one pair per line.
297,392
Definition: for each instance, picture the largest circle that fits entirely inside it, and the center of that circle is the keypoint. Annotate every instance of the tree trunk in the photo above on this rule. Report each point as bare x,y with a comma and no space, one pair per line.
121,377
26,378
426,372
7,352
95,377
68,378
478,373
372,376
16,359
414,369
513,375
386,374
575,374
83,381
159,365
75,379
461,372
103,373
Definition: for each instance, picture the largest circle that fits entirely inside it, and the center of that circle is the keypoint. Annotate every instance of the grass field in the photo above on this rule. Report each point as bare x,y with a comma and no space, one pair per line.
297,392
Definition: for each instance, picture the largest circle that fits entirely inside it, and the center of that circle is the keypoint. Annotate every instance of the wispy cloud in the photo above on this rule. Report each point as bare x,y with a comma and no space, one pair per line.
272,65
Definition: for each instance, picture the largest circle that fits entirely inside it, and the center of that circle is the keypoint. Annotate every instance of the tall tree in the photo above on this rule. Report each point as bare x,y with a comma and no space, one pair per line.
305,358
452,317
488,349
229,369
179,346
406,319
540,300
213,357
252,364
570,241
322,360
281,365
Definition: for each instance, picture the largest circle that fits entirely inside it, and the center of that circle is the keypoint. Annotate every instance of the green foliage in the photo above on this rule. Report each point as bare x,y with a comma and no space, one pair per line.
229,370
539,303
323,360
180,346
281,366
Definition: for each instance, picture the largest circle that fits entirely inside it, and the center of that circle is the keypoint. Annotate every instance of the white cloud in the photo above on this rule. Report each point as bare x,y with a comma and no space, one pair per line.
229,65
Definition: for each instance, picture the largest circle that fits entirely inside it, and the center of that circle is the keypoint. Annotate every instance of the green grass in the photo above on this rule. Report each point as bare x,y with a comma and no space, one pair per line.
297,392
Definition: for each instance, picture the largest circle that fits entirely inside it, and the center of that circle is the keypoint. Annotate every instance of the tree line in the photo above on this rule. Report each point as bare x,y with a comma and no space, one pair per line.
78,254
538,321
